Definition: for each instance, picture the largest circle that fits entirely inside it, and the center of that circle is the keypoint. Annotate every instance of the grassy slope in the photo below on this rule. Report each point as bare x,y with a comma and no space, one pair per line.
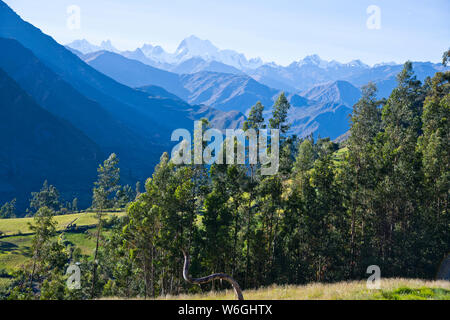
15,250
21,225
392,289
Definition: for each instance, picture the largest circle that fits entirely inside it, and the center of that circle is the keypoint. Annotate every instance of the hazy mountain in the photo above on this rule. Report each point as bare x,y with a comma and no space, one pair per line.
158,92
85,46
339,91
384,76
322,110
157,54
325,110
195,65
61,99
328,119
196,55
35,146
306,73
139,55
191,47
134,73
226,91
312,70
222,91
218,119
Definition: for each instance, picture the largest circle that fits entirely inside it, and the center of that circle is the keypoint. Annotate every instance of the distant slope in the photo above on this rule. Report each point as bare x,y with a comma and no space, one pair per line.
61,99
197,64
35,146
226,91
223,91
339,91
217,118
133,73
323,111
327,119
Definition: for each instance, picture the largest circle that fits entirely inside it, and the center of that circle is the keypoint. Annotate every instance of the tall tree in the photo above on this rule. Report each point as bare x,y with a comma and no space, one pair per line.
105,189
279,115
8,210
359,171
401,182
44,228
434,145
255,119
48,197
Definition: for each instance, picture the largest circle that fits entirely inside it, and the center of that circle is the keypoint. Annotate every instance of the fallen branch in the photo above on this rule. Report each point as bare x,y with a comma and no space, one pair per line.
212,277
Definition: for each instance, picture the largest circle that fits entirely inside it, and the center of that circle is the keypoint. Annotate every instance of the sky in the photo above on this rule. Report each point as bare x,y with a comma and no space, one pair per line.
281,31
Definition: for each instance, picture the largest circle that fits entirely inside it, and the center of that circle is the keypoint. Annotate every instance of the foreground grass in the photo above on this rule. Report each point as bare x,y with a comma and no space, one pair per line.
391,289
21,225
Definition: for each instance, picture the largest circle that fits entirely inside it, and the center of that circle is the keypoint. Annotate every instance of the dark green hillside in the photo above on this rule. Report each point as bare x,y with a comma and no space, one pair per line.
35,145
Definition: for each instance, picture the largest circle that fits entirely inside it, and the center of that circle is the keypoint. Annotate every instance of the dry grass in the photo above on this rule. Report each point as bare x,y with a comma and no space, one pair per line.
353,290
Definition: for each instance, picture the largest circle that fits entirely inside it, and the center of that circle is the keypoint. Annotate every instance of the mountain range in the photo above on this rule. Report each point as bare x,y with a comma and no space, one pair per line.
230,92
321,110
195,55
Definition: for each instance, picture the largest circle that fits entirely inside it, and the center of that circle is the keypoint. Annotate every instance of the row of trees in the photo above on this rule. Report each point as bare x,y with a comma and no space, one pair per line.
49,197
331,211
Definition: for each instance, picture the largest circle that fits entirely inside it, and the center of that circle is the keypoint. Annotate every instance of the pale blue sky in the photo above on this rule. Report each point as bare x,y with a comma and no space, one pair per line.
275,30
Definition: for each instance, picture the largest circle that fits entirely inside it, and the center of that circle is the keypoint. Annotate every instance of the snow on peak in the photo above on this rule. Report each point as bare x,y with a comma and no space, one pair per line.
86,47
315,60
107,45
194,47
83,46
357,64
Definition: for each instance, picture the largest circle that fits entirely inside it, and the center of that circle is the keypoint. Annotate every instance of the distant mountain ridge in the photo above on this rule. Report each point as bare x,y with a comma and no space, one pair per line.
191,47
196,55
323,110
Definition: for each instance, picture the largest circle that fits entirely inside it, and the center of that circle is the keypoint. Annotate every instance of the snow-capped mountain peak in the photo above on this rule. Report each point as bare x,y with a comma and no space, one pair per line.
86,47
312,60
107,45
196,47
315,60
357,64
83,46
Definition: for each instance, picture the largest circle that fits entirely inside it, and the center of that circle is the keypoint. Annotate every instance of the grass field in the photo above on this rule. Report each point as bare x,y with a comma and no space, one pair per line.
391,289
21,225
15,248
